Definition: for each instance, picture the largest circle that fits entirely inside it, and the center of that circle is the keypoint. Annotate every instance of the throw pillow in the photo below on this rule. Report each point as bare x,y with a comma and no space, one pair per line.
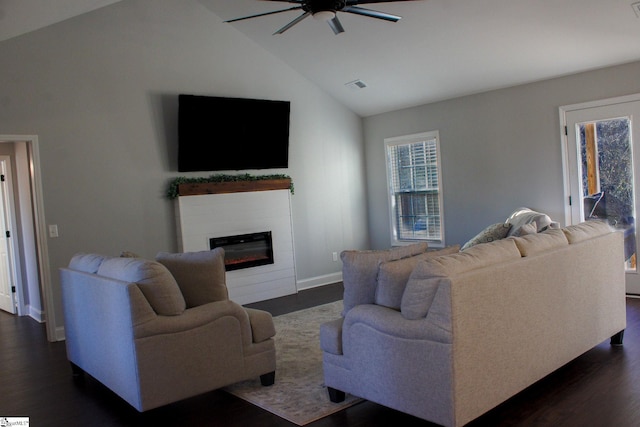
154,280
129,254
522,216
527,229
420,291
360,271
491,233
200,275
88,263
393,276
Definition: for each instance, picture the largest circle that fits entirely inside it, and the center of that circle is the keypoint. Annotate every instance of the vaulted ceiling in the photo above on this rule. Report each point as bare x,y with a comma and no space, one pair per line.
440,49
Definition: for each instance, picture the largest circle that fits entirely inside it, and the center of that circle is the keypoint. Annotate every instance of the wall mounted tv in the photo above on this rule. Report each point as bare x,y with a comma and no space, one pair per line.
225,134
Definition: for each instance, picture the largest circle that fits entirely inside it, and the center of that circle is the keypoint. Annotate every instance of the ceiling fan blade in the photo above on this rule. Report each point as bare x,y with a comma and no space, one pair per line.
335,25
264,14
371,13
292,23
356,2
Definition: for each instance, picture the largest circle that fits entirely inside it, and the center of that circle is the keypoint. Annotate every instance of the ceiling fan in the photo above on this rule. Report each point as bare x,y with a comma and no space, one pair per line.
326,10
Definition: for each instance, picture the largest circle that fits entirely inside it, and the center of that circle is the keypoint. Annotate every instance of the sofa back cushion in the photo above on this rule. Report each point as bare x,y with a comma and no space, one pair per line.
586,230
200,275
154,280
393,276
475,257
533,244
429,274
360,270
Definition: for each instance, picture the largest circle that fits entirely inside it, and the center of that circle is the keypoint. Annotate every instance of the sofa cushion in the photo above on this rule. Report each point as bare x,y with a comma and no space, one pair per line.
475,257
393,276
360,270
489,234
429,274
533,244
154,280
586,230
88,263
200,275
522,216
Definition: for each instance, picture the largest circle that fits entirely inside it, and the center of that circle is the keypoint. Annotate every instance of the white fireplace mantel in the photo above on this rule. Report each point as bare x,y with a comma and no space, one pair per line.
202,217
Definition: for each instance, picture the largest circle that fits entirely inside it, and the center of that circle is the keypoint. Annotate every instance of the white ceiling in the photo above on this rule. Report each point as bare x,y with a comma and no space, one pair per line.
440,49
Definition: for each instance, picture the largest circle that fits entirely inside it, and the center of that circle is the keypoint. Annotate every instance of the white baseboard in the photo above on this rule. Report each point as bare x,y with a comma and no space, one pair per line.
35,314
60,336
314,282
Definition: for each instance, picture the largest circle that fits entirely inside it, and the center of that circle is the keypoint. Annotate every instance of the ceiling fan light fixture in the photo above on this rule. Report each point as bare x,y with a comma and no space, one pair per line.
324,15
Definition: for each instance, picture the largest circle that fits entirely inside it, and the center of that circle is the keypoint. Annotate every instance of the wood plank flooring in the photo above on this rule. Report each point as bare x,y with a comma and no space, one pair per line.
600,388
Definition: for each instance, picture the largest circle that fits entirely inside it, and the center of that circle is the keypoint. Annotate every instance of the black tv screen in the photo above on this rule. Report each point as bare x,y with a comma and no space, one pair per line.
224,134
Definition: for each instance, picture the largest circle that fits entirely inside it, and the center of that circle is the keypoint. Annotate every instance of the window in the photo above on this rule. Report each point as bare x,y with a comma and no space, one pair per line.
415,188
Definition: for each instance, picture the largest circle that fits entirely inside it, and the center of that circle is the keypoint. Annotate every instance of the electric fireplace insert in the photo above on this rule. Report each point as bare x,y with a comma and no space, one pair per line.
245,250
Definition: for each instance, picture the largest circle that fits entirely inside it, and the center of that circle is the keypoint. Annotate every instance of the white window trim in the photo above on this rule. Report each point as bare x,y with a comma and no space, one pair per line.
409,139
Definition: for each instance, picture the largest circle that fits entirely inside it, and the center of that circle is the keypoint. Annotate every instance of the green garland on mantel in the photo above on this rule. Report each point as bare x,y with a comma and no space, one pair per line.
172,192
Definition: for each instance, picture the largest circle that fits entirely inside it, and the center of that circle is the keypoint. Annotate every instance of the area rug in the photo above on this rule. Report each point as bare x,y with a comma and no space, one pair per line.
299,394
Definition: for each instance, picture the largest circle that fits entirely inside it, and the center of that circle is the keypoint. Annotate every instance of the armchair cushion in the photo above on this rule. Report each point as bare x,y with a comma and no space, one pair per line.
200,275
154,280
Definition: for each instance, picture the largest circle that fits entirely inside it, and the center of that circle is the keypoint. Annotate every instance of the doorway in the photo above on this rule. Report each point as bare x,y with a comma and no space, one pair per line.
9,274
601,149
31,267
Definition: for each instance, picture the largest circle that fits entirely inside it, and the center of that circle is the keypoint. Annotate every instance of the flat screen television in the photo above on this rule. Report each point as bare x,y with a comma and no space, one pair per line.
225,134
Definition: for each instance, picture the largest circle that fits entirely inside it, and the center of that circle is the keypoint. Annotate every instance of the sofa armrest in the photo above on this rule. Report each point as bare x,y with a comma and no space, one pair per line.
195,317
387,321
262,327
331,336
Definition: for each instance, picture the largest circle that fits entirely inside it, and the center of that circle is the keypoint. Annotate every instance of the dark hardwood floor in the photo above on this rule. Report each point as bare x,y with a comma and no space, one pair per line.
600,388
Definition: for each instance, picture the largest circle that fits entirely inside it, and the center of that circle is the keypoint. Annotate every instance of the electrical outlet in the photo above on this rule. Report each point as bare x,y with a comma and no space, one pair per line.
335,256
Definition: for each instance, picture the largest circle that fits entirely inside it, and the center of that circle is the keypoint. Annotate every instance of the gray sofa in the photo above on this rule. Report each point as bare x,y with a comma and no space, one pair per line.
449,337
156,332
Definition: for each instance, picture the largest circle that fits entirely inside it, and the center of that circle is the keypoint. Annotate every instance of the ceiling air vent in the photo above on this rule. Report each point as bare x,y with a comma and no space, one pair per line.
356,84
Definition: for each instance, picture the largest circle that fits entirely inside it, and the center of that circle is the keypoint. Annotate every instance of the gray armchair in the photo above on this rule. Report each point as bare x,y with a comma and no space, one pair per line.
156,332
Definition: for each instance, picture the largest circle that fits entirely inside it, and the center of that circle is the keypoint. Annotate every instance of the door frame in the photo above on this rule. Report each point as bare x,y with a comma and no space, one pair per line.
564,138
592,112
40,236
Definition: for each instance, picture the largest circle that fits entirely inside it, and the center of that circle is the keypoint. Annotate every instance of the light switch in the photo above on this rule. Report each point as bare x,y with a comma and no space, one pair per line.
53,230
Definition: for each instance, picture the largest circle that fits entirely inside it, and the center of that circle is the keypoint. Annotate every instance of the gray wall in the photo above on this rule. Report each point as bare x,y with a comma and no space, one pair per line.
500,149
100,91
